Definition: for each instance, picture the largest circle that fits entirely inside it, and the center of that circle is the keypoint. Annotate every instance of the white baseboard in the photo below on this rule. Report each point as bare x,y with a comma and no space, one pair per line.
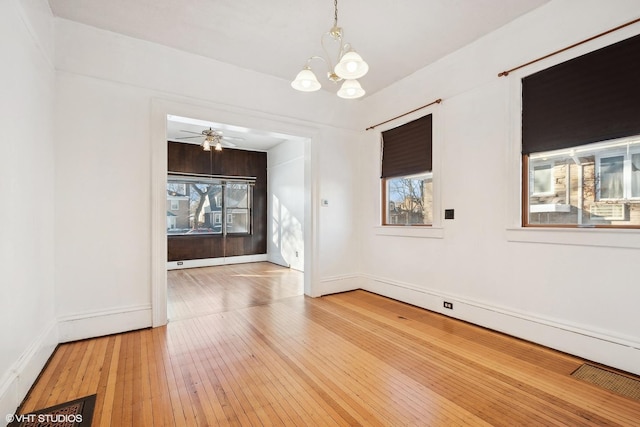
211,262
17,381
598,346
337,284
106,322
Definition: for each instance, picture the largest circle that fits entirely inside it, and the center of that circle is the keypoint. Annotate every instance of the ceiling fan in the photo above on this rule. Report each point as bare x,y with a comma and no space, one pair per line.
211,138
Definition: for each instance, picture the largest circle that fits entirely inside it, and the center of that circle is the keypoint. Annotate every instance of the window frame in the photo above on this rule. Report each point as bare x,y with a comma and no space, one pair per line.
518,228
516,165
434,230
218,217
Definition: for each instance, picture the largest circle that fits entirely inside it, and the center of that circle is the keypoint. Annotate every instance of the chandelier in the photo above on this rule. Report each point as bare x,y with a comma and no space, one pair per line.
349,65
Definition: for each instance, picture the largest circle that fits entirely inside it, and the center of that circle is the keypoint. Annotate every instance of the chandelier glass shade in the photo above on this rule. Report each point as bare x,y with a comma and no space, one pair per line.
212,140
349,65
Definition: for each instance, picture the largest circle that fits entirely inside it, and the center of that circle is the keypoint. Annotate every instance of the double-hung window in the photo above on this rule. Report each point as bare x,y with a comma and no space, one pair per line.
208,205
581,140
407,177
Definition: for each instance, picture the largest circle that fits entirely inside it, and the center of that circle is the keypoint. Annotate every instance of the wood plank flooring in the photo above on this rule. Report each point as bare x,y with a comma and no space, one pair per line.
347,359
199,291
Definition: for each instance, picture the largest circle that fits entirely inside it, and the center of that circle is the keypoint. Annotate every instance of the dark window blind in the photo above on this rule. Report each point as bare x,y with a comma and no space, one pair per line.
406,150
594,97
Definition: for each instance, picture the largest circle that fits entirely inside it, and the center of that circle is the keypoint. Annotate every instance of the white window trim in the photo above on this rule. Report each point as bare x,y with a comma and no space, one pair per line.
423,231
514,231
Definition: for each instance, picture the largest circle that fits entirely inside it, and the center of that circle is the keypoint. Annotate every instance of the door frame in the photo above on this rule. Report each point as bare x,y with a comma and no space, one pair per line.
160,109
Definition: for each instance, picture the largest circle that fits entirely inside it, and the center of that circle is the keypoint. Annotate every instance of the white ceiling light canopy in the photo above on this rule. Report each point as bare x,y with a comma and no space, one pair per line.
349,65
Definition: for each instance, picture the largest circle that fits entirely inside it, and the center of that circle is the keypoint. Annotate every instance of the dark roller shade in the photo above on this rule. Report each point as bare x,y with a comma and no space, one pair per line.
594,97
407,148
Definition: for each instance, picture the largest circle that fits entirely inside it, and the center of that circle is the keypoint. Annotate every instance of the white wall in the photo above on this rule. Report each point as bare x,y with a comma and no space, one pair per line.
109,89
574,290
285,228
28,332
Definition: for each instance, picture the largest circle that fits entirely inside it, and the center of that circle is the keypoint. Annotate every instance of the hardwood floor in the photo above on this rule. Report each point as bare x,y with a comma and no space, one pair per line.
347,359
199,291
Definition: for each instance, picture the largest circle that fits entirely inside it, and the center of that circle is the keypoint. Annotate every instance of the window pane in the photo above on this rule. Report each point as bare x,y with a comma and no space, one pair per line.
542,179
611,177
196,203
237,195
588,185
409,200
237,221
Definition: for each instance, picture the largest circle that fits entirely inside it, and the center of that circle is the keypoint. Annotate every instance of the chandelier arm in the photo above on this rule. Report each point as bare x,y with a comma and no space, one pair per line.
316,57
328,60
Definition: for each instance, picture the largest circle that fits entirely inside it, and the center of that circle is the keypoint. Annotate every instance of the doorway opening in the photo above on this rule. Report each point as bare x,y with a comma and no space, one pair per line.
287,213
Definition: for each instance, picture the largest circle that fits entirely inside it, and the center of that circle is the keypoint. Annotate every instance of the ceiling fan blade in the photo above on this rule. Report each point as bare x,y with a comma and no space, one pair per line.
227,143
189,137
188,131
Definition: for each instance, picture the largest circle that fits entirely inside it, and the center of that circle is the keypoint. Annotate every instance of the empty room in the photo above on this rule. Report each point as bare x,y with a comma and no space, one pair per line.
320,212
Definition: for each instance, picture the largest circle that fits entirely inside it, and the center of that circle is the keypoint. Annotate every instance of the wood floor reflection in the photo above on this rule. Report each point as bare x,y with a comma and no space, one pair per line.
200,291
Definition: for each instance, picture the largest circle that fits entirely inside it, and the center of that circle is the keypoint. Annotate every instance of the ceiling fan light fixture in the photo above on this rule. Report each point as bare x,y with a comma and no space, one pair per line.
218,146
351,89
206,145
351,66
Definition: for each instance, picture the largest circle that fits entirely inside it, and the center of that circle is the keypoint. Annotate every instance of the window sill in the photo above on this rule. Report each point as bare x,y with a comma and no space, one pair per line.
610,238
425,232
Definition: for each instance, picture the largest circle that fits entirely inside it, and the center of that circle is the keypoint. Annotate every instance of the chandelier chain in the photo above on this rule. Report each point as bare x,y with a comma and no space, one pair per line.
335,15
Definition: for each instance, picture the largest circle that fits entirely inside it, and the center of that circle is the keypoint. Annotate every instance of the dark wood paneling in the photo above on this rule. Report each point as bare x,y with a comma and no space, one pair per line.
190,158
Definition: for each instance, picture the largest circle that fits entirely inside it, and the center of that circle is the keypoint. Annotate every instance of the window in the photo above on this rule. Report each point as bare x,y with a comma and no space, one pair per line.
542,179
407,178
594,184
237,206
409,200
611,177
205,200
581,140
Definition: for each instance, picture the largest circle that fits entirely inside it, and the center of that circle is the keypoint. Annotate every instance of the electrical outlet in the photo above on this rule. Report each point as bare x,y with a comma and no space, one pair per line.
448,213
296,254
448,305
180,263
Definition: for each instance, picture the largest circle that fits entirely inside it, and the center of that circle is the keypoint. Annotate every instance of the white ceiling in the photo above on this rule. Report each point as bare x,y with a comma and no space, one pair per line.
276,37
184,129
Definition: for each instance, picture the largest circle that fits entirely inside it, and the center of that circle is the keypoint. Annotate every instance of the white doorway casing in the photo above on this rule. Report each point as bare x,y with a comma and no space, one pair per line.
160,109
